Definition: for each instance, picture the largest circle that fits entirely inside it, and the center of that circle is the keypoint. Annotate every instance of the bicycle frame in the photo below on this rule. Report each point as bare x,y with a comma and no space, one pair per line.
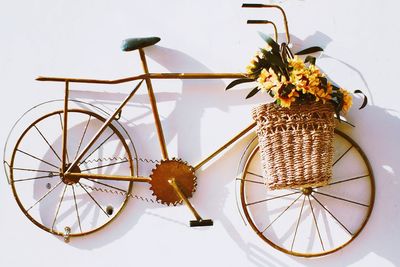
147,77
67,168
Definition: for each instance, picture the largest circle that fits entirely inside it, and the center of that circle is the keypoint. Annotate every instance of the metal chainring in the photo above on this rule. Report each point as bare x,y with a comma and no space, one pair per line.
172,169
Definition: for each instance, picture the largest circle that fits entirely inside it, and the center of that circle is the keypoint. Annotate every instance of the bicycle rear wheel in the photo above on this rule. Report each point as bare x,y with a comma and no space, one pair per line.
70,207
315,221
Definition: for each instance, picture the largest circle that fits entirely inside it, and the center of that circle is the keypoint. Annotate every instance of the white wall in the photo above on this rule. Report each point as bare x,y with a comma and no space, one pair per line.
82,38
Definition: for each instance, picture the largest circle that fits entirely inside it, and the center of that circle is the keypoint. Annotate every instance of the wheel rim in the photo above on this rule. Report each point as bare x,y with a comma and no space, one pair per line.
73,207
314,221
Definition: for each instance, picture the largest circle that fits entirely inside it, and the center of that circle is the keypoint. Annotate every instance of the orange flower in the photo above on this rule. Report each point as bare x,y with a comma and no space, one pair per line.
347,100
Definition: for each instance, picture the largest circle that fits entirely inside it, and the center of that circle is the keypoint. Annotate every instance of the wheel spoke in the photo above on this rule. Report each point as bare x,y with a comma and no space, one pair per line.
107,185
341,156
103,166
333,216
345,180
76,208
249,181
58,208
32,156
47,142
343,199
252,173
33,170
291,204
272,198
83,137
50,175
95,201
45,195
298,223
102,143
316,224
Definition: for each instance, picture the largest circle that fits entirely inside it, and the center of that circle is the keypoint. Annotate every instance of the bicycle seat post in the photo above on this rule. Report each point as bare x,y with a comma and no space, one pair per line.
153,103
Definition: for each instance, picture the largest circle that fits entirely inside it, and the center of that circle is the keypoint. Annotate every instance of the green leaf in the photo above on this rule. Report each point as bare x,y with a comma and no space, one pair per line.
365,101
270,41
286,53
238,81
285,91
253,92
276,61
338,115
310,59
352,125
310,50
324,83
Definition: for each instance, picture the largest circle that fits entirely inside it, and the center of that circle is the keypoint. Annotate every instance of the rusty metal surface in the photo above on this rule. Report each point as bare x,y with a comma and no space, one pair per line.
172,169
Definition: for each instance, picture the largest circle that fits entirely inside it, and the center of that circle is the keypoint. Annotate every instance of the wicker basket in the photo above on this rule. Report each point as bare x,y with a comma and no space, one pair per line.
296,144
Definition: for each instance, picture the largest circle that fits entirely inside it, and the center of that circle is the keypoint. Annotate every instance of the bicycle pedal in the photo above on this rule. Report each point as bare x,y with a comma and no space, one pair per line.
198,223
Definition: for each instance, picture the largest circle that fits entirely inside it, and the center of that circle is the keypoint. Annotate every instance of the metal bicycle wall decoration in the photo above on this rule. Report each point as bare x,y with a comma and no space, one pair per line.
79,179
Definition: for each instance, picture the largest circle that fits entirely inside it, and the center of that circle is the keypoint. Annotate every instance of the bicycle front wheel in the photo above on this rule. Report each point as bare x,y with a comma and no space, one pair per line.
312,221
70,207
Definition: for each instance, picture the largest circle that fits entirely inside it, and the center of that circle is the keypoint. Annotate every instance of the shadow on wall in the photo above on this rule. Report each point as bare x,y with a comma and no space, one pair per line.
381,234
376,131
196,96
182,124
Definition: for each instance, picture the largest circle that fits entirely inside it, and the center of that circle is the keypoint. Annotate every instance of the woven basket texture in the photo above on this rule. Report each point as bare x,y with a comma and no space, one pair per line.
296,144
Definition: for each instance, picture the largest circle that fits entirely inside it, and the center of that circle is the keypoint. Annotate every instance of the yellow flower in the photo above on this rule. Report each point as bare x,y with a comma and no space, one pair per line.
347,100
324,94
252,66
296,63
286,101
303,81
254,63
267,80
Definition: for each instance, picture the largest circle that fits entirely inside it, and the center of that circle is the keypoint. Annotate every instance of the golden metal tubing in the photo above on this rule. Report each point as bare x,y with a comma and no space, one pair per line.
252,21
78,80
65,128
273,6
153,103
179,192
109,177
101,130
222,148
146,76
196,75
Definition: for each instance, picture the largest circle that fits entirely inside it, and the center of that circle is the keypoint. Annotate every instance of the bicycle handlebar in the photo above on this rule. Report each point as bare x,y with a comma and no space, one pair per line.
249,5
257,21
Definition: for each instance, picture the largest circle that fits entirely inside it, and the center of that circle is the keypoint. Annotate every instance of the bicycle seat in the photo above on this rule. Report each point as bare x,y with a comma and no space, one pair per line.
136,43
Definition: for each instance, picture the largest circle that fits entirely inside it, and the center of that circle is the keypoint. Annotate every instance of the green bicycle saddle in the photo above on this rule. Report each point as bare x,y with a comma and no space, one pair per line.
136,43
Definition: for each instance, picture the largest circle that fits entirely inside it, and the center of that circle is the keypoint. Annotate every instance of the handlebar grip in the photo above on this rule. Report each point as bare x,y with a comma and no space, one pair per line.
258,21
252,5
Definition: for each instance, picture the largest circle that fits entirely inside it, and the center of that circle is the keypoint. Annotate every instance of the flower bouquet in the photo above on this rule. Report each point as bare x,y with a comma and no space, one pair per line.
296,130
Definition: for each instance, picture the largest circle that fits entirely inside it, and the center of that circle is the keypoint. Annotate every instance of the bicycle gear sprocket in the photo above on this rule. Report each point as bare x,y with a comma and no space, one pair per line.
166,170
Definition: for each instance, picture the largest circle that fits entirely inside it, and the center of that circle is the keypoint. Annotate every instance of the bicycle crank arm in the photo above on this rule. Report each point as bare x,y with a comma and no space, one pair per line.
194,223
107,177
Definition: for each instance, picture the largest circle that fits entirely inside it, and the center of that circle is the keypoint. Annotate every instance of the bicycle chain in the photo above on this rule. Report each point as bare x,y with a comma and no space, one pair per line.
116,192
